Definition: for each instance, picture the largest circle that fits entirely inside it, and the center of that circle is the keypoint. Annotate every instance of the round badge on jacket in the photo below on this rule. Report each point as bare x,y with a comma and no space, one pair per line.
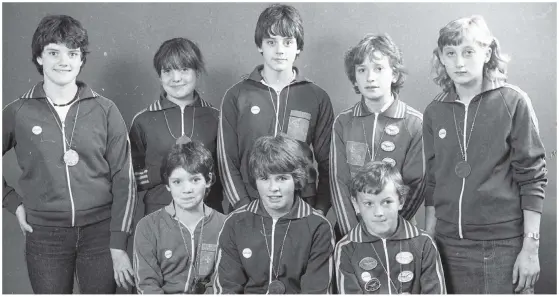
168,254
247,253
37,130
255,109
442,133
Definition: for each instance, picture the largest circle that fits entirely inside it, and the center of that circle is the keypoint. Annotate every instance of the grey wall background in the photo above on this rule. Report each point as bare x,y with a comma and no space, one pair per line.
125,36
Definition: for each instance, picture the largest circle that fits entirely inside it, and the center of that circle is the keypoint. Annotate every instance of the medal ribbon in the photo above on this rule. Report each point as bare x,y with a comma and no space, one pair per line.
169,127
281,125
464,149
196,255
276,272
60,126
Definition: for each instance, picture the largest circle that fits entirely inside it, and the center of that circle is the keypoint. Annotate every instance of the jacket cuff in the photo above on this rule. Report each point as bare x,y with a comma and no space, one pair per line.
12,201
533,203
119,240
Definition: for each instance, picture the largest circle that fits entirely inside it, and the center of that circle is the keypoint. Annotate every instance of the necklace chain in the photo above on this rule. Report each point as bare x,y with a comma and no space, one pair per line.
275,271
197,257
383,267
279,102
464,149
60,126
169,127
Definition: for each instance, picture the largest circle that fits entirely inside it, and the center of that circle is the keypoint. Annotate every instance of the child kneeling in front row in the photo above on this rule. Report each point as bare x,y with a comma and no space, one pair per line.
175,246
277,244
384,253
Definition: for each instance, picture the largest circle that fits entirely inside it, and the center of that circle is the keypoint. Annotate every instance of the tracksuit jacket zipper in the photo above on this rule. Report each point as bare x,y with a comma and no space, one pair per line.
63,129
463,179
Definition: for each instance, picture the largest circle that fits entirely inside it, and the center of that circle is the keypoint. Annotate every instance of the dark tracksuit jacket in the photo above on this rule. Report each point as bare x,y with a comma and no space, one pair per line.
426,266
100,186
168,261
250,110
151,142
506,155
393,136
243,262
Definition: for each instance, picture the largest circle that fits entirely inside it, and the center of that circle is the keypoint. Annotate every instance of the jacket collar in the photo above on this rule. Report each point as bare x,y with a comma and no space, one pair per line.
405,230
256,76
299,210
170,210
396,110
164,103
487,85
37,92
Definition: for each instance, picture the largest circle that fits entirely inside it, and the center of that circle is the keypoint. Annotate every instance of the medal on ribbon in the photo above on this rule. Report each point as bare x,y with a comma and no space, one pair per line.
462,169
71,157
276,287
183,140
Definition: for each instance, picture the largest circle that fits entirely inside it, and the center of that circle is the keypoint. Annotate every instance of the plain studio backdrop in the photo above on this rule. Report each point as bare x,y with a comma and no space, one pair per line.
124,37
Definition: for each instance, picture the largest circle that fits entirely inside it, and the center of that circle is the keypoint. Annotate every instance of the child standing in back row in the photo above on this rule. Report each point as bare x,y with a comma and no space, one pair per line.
486,172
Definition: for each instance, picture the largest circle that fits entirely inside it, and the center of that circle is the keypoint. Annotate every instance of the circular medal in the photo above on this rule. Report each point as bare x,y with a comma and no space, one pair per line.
183,140
462,169
405,276
71,157
372,285
404,257
276,287
199,287
368,263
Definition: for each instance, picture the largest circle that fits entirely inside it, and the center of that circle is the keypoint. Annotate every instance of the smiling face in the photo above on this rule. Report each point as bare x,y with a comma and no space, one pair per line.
374,77
188,190
179,84
61,65
379,211
277,192
279,52
464,62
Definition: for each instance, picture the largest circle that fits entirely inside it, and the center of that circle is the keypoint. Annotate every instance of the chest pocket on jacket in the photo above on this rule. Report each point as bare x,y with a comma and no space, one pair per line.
356,153
298,125
207,259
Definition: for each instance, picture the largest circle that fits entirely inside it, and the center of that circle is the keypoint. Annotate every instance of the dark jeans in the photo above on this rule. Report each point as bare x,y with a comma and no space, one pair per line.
54,254
479,266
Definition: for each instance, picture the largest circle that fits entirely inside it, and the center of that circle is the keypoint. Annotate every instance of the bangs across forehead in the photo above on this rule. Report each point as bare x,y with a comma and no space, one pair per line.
68,40
267,164
464,33
178,58
282,28
370,52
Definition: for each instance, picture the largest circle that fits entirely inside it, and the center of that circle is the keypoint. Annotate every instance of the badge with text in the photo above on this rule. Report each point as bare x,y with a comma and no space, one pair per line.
405,276
255,109
247,253
368,263
392,130
442,133
387,146
404,257
37,130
